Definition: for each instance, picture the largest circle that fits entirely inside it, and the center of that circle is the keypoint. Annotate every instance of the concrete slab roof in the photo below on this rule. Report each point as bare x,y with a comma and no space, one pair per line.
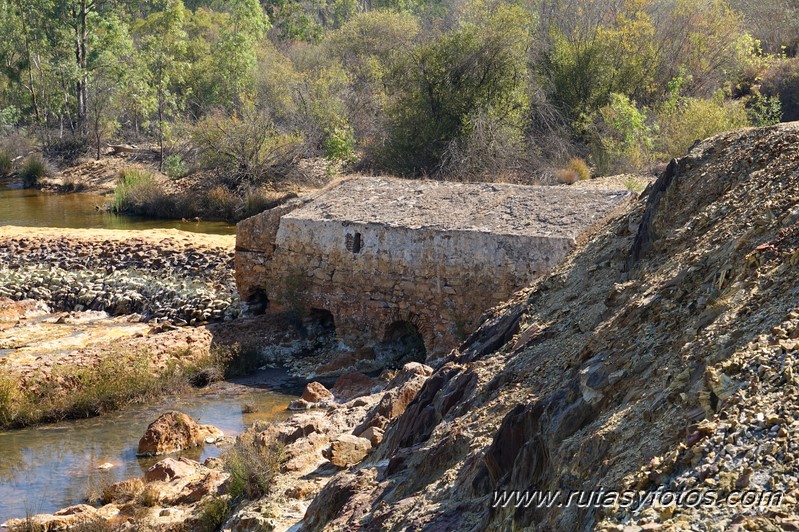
500,208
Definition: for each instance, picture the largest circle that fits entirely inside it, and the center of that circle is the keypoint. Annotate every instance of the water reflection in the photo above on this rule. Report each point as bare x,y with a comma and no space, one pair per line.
34,208
46,468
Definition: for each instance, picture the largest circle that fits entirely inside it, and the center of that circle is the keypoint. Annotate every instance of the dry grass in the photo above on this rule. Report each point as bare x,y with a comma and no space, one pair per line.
580,167
566,177
118,379
122,492
576,170
73,183
149,496
253,462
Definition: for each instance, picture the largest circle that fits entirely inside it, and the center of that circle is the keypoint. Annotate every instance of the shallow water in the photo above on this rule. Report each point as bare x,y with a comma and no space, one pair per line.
35,208
44,469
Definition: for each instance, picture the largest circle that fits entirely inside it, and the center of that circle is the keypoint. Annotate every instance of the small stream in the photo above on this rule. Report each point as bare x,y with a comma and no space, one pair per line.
46,468
34,208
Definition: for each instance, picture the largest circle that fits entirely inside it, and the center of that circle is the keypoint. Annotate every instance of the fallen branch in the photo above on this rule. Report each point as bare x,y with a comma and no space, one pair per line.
124,148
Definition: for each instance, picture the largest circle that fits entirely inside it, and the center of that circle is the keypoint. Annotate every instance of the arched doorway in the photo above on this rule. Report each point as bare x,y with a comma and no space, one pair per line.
318,327
256,304
402,343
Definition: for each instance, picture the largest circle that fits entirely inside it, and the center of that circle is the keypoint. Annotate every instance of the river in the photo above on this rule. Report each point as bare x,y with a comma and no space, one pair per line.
34,208
45,468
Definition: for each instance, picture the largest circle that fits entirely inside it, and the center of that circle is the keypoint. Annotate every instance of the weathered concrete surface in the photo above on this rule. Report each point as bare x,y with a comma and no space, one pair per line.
376,252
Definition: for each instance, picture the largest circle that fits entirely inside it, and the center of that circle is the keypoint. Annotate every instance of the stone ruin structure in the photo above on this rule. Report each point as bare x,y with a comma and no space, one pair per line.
391,260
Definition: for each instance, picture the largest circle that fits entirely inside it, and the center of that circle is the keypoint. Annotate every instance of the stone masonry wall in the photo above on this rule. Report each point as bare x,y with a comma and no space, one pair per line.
371,272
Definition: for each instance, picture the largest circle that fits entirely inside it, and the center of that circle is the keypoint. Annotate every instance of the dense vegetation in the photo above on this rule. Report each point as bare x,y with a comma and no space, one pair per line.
461,89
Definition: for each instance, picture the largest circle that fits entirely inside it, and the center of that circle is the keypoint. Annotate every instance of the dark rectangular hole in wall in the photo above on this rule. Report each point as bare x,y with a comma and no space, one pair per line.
353,242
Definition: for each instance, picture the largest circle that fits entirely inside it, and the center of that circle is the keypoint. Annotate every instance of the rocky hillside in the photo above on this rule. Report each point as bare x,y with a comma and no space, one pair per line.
660,354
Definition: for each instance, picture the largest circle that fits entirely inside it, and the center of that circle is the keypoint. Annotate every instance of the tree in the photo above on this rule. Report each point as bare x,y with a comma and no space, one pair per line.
606,48
472,69
775,23
164,48
111,67
368,47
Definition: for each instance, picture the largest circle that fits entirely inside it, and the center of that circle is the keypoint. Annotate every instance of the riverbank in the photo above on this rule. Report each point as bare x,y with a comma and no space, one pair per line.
72,365
197,491
133,183
44,469
91,319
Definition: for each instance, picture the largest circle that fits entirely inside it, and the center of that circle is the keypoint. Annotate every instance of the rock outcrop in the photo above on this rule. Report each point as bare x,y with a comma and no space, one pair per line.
659,355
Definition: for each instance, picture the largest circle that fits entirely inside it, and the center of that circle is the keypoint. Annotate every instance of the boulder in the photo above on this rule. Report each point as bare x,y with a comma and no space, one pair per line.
211,484
172,432
400,392
373,434
347,450
353,384
300,404
170,469
316,393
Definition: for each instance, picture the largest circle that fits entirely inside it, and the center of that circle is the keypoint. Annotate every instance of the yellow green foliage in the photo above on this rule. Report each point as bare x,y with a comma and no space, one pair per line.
686,120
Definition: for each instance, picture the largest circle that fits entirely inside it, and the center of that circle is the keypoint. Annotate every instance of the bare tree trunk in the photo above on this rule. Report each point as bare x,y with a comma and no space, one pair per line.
81,36
160,131
31,84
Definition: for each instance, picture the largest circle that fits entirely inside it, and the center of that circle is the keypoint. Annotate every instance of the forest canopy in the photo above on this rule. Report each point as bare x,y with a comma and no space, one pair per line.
447,89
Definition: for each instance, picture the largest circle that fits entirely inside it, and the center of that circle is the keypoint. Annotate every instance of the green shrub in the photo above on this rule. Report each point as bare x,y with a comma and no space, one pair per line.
763,110
138,192
782,81
444,84
252,464
33,169
683,121
6,164
174,166
340,144
213,514
634,185
619,136
9,118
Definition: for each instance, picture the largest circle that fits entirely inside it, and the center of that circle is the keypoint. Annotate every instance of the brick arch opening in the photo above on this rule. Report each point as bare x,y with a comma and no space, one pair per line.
321,321
402,342
256,303
319,325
